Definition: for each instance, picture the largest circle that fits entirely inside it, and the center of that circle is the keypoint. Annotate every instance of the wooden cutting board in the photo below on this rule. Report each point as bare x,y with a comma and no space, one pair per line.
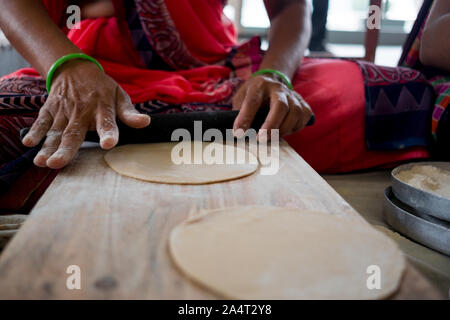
116,229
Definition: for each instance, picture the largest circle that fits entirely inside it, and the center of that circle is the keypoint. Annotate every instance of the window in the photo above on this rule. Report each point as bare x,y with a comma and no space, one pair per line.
344,17
254,14
346,25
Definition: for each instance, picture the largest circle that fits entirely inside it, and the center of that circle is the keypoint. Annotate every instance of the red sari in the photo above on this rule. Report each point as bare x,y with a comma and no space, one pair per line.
183,54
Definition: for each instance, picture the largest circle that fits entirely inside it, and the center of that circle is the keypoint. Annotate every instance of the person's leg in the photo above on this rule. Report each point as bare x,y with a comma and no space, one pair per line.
336,143
21,183
319,25
442,147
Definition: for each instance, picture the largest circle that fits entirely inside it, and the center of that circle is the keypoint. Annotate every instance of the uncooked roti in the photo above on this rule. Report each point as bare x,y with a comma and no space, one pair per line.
281,253
154,162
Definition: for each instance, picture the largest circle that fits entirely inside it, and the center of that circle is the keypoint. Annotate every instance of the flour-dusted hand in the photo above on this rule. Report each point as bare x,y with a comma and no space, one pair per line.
82,98
288,111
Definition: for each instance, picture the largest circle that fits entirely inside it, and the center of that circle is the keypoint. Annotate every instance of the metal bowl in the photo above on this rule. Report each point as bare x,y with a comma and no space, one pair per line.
423,201
427,230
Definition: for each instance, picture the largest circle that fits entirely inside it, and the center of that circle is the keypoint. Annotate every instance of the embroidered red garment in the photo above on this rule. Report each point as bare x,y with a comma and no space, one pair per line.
200,39
336,143
204,65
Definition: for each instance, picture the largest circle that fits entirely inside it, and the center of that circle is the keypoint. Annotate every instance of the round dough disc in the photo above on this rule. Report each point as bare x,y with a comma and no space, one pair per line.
153,162
281,253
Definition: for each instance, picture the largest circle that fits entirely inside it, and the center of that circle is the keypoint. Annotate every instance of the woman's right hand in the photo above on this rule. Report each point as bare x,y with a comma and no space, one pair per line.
82,98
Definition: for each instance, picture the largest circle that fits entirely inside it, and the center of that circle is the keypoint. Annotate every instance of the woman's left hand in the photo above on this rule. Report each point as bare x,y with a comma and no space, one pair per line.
289,112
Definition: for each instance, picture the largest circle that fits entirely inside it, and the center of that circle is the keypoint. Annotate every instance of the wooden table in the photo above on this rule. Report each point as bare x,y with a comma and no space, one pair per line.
116,229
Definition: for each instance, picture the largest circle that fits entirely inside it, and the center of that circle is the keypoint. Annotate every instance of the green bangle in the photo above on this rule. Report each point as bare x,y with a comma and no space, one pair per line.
278,73
63,60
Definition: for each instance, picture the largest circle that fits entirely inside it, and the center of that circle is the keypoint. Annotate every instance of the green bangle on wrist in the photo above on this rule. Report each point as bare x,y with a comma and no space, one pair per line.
64,59
282,76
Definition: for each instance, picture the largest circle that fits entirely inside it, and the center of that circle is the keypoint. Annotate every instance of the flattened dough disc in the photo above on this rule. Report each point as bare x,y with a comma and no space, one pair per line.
280,253
153,162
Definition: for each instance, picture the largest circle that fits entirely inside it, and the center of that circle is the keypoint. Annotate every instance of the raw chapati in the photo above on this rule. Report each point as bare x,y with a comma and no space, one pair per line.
281,253
153,162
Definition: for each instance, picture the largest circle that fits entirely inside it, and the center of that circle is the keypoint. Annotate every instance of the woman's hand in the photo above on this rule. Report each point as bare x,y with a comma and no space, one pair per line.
288,111
82,98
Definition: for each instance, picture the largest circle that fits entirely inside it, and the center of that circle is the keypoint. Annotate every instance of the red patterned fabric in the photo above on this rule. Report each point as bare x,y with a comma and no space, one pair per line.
399,104
102,39
207,69
336,143
27,190
20,100
193,36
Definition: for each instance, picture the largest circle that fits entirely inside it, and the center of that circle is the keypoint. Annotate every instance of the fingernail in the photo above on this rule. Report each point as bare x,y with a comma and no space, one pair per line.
106,141
136,114
143,116
38,161
26,140
40,155
56,156
56,161
238,133
262,135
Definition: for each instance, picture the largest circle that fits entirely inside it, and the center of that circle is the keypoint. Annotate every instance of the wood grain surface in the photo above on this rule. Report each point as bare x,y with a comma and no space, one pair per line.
116,229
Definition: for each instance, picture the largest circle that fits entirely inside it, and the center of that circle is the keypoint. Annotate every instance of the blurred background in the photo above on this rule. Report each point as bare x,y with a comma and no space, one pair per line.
345,25
341,24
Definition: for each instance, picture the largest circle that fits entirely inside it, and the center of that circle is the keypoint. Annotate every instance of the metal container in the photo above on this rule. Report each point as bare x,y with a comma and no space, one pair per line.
423,201
425,229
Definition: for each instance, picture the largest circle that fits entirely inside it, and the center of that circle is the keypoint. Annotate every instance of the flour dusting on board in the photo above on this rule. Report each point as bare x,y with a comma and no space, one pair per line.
428,178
